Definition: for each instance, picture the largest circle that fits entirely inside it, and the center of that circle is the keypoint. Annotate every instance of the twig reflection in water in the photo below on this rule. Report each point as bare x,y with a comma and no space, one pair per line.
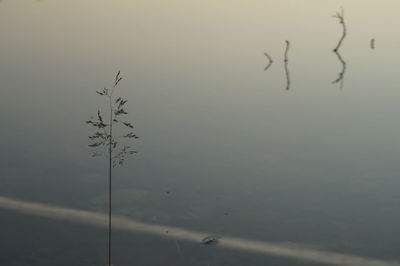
340,78
372,43
286,60
270,61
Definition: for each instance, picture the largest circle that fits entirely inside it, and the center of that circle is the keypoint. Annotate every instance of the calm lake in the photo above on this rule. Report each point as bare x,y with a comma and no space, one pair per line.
303,155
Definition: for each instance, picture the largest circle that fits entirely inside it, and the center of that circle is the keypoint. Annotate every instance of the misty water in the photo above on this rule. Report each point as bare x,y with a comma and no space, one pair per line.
224,147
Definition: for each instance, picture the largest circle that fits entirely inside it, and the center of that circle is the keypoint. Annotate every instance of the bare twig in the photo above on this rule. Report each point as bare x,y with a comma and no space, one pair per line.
340,16
270,61
340,79
286,60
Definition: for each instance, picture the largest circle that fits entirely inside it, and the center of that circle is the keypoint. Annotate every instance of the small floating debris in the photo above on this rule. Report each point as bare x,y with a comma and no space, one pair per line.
212,239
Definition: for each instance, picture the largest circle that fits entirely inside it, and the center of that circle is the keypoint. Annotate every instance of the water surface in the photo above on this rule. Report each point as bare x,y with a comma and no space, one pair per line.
315,165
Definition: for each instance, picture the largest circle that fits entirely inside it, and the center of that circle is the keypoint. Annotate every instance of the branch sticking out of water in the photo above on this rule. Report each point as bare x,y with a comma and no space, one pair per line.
340,16
270,61
340,79
286,60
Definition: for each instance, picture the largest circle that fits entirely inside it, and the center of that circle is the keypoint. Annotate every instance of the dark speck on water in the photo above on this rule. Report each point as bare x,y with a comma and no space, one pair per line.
212,239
